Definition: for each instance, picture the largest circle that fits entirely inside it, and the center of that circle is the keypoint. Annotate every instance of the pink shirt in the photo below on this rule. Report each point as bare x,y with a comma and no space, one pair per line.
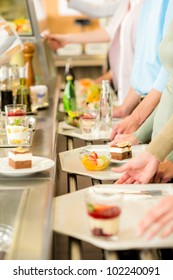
122,30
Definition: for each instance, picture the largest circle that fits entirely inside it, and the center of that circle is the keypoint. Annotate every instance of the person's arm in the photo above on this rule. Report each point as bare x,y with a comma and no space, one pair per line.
142,168
162,144
144,132
140,136
106,76
139,114
130,102
95,10
60,40
146,107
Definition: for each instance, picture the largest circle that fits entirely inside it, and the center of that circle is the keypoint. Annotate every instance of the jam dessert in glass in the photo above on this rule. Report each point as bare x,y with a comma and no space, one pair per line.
89,123
16,124
103,212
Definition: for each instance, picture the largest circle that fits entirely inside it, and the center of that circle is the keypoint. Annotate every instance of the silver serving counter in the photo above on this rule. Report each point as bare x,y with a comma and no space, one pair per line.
27,200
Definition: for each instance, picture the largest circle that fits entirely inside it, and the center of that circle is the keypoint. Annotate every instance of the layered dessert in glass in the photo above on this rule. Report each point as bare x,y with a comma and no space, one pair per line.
103,213
16,124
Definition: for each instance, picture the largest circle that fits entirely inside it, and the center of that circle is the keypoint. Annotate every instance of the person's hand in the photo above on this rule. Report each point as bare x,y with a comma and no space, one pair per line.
56,41
139,170
125,137
106,76
160,217
127,125
165,172
119,112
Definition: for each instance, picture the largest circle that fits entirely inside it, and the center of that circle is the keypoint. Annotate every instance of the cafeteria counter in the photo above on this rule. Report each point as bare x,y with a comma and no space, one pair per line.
27,200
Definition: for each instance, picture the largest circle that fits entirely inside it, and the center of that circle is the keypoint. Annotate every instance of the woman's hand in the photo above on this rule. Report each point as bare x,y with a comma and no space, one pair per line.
125,137
56,41
165,172
127,125
160,217
139,170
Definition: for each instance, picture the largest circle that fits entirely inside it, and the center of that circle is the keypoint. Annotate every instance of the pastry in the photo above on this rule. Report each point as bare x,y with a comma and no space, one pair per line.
121,151
20,158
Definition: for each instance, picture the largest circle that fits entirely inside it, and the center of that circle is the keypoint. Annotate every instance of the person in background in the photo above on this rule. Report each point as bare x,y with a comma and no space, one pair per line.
143,169
152,126
148,76
95,9
121,33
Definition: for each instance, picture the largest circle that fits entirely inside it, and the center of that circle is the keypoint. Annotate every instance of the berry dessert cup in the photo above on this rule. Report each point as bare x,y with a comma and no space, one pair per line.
89,123
16,124
103,213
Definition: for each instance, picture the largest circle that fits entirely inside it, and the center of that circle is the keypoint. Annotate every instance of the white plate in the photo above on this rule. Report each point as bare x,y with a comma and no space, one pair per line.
38,164
106,148
98,148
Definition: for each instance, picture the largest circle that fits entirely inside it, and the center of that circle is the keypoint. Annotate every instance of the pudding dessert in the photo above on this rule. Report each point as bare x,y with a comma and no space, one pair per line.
121,151
103,219
17,134
16,124
20,158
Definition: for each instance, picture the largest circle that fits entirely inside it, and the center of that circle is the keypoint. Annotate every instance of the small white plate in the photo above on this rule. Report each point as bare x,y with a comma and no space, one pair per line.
97,148
106,148
38,164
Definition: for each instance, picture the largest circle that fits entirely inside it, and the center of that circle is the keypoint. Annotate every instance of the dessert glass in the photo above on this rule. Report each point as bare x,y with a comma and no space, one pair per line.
16,124
95,161
89,123
103,211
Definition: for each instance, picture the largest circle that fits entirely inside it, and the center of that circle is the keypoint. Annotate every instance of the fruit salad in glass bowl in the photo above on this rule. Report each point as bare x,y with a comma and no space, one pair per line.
87,93
73,117
95,161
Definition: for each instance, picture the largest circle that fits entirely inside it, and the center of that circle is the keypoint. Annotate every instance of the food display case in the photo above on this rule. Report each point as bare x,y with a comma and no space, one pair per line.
22,17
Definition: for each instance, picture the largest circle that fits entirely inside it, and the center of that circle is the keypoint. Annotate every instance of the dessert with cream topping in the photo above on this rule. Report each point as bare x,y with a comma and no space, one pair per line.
103,219
20,158
121,151
16,125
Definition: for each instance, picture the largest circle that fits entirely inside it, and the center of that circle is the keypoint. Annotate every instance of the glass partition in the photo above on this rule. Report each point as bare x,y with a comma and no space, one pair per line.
16,12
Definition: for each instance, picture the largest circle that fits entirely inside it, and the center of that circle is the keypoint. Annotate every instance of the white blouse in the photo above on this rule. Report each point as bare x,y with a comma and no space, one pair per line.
95,9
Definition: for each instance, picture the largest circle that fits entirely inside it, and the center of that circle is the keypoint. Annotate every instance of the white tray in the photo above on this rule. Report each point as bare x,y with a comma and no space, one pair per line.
68,130
70,218
135,151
